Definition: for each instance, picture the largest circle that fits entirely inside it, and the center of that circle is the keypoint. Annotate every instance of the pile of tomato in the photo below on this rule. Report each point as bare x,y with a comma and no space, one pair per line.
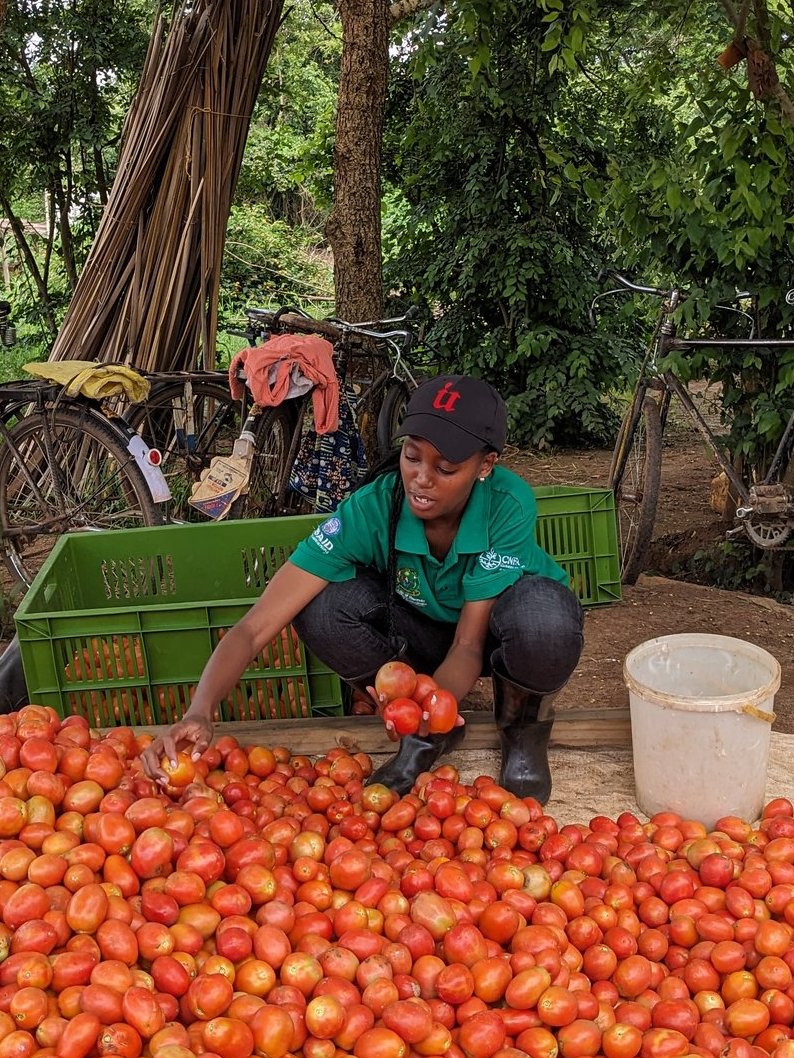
267,904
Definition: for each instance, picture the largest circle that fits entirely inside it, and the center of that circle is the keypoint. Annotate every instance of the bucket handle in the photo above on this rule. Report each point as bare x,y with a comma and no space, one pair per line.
759,714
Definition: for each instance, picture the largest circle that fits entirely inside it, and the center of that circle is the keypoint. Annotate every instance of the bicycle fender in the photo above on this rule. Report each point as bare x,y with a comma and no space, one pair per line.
155,479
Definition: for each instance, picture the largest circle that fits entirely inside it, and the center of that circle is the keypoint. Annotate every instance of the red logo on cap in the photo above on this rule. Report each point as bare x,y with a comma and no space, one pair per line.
445,398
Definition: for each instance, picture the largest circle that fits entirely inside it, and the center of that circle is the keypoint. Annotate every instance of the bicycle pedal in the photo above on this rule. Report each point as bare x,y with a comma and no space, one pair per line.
769,499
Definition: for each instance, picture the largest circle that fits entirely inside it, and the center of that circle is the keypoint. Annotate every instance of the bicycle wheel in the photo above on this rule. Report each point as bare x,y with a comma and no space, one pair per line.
634,476
268,492
90,483
187,447
391,415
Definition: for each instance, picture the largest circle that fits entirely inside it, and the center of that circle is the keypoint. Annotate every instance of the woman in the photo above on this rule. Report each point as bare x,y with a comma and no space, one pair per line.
436,563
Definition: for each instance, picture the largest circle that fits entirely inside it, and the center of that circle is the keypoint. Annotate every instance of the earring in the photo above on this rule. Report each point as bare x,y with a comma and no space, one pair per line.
482,478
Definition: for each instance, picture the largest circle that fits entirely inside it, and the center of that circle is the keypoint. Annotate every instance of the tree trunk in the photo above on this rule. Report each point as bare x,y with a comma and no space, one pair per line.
30,260
353,229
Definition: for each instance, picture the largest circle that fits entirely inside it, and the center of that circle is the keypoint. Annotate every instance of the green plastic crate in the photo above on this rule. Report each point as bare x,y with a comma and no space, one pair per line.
118,625
578,527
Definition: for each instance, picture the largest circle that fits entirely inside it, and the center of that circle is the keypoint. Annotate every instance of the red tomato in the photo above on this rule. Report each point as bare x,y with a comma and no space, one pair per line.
443,708
424,685
182,772
395,679
405,714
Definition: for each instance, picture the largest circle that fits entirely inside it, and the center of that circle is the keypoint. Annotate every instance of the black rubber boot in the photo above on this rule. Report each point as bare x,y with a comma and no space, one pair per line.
417,753
13,690
524,720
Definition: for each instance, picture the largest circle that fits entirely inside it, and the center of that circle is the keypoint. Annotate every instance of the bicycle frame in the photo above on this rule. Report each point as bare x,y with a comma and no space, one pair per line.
765,509
667,341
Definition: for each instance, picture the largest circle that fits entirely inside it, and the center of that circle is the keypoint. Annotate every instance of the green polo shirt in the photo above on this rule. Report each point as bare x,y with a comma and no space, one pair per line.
494,546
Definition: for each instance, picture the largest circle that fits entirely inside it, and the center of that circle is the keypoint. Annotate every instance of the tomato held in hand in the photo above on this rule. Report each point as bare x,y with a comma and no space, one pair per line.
424,685
395,679
180,774
405,714
443,709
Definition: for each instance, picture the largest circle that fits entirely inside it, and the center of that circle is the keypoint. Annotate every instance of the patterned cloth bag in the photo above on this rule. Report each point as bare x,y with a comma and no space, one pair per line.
329,466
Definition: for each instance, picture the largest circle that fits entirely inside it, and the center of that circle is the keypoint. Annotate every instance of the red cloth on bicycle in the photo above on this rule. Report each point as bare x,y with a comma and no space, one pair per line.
268,368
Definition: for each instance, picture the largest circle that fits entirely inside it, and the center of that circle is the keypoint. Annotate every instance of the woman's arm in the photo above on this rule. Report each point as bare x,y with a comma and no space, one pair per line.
287,593
463,665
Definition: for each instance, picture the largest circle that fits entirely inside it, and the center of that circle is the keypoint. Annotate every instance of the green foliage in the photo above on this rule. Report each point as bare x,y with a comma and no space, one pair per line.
66,76
288,155
709,205
268,263
737,567
493,232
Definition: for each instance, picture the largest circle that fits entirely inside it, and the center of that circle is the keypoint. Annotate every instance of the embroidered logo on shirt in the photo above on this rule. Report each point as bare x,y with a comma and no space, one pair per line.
408,586
490,561
319,537
332,526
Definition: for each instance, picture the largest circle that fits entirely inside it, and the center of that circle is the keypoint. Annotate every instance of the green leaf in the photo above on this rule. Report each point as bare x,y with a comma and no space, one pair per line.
673,196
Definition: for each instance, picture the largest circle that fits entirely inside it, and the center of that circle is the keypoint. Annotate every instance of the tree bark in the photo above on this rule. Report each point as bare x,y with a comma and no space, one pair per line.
354,228
403,8
761,67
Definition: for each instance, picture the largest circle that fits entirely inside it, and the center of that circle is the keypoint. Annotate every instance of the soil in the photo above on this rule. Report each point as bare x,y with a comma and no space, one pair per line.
662,602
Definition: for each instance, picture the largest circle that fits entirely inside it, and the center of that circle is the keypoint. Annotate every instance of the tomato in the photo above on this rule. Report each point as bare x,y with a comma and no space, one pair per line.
395,679
443,709
621,1040
228,1037
424,685
208,996
404,713
272,1029
482,1035
380,1042
579,1039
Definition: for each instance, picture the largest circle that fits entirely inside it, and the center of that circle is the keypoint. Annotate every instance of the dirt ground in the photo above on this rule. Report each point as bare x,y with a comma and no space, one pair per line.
661,605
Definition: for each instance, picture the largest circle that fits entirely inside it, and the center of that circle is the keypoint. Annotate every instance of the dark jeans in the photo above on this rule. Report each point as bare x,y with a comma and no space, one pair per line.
535,634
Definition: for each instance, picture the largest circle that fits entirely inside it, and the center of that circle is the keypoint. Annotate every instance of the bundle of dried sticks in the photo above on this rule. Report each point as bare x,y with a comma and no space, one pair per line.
148,293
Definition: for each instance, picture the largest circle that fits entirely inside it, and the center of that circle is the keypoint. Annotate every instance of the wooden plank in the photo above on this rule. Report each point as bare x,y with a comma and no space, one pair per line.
581,727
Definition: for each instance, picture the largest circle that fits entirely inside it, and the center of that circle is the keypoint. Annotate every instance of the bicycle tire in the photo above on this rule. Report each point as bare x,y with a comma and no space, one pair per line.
634,477
217,425
268,493
100,482
391,415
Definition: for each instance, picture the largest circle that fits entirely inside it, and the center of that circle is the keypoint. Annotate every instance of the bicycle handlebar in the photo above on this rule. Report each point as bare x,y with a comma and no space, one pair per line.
636,288
292,319
659,292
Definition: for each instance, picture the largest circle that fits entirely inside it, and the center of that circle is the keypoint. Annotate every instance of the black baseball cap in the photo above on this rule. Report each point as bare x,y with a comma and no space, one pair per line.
458,415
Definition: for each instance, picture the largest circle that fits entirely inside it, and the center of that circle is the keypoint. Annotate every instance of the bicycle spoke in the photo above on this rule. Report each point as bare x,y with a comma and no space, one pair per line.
190,425
86,482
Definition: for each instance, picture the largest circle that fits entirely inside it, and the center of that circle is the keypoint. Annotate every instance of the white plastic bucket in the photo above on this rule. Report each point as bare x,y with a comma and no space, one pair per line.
701,719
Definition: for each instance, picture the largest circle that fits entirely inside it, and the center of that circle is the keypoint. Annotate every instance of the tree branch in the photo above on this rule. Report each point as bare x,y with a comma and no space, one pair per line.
731,12
742,19
403,8
761,69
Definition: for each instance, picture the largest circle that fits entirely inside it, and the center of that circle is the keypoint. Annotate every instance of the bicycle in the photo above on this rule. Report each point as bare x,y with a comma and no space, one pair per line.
765,508
275,433
191,417
65,466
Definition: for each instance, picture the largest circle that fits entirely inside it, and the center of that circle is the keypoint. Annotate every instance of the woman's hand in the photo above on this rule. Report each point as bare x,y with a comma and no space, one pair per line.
193,734
380,701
